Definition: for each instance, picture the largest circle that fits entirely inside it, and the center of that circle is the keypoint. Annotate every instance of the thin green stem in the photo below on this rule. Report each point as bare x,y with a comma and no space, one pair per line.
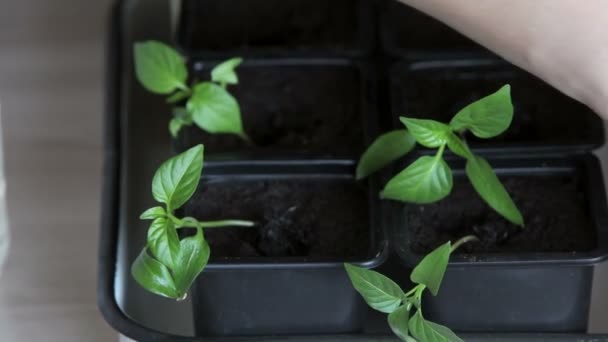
420,289
246,138
410,292
468,238
190,222
440,151
224,223
183,87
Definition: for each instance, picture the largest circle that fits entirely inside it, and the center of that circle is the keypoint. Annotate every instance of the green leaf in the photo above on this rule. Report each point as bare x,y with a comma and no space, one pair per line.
181,118
153,276
192,258
175,125
458,146
398,321
426,331
153,213
428,133
378,291
224,73
159,68
426,180
489,187
432,267
487,117
178,96
215,110
385,149
163,241
177,178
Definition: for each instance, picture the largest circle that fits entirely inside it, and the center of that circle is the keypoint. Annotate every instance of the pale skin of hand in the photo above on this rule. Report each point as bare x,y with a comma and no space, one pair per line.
564,42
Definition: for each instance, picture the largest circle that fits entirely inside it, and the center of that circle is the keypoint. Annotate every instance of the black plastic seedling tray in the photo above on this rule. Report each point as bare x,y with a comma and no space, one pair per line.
286,279
276,28
299,108
137,141
544,121
408,33
536,291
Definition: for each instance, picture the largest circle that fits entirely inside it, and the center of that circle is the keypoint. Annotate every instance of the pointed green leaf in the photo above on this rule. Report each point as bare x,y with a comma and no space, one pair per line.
214,110
378,291
175,125
458,146
163,241
398,321
224,72
153,213
489,187
159,68
192,258
153,276
426,180
426,331
177,178
427,133
432,267
181,118
487,117
385,149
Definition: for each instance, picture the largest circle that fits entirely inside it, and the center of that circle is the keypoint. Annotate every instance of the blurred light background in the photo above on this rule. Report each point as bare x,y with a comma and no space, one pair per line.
51,75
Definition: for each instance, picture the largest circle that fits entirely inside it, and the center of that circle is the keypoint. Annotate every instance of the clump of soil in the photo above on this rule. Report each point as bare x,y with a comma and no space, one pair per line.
541,113
554,209
251,24
286,108
305,218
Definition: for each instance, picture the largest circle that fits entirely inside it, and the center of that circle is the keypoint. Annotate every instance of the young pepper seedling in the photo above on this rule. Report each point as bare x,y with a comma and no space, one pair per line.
429,178
168,266
384,295
162,70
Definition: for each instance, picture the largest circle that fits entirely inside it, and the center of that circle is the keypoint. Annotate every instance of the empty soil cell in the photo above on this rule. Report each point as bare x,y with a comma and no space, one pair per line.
406,29
303,108
554,208
542,115
294,217
219,25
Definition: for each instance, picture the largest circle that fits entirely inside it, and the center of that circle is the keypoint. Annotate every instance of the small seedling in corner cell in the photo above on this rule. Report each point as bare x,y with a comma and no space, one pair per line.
404,309
168,265
162,70
429,178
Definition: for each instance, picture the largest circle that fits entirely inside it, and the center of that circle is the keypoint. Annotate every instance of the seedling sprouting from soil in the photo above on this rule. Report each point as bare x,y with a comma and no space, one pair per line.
404,309
209,105
429,178
168,265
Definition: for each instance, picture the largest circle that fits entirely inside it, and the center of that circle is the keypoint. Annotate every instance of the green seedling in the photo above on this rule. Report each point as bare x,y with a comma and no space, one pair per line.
168,265
162,70
429,178
404,309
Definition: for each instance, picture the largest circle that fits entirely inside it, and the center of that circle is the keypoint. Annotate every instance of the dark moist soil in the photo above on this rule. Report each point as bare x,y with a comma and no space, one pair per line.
286,108
292,24
541,113
409,29
554,209
295,218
